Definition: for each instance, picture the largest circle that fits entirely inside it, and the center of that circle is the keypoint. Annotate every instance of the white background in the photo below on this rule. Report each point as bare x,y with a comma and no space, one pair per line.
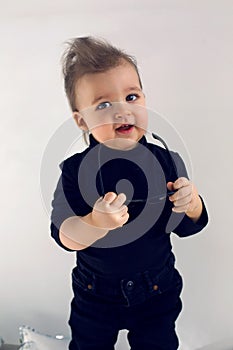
184,51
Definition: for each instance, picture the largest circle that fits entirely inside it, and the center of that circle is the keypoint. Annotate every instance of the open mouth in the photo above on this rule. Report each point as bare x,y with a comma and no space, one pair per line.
125,128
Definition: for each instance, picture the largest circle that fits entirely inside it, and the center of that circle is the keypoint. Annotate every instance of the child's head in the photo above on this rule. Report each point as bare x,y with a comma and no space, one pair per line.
98,78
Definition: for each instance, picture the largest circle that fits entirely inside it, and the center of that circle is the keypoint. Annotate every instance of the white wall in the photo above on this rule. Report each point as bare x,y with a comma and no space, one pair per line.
184,50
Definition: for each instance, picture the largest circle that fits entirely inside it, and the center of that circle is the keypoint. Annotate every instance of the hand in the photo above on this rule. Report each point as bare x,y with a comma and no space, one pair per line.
109,212
186,198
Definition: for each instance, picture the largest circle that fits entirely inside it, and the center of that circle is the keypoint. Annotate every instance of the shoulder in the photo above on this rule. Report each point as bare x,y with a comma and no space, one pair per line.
74,160
170,161
161,152
154,148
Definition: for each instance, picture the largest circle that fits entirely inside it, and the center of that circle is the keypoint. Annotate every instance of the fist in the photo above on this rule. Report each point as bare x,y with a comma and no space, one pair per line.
186,198
109,212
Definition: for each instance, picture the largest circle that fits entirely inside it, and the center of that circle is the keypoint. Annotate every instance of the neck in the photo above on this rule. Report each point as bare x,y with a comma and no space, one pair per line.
121,144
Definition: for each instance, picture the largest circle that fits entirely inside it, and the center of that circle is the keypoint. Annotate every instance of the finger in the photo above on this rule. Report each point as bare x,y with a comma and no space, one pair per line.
181,193
170,186
124,218
123,210
119,200
181,209
183,201
180,182
109,197
119,211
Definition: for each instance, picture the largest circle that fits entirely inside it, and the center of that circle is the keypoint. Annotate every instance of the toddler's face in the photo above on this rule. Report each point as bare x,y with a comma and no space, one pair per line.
111,105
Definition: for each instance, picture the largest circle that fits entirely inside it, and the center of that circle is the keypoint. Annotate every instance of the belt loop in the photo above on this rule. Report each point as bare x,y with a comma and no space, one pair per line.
148,280
93,277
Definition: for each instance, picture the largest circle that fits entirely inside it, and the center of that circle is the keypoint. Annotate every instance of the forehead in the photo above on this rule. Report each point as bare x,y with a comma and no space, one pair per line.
111,82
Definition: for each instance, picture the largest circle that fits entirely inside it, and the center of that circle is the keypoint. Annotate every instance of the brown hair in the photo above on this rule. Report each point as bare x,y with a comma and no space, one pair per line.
89,55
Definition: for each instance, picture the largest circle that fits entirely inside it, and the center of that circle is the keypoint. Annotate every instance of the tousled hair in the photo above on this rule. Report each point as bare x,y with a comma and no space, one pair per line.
85,55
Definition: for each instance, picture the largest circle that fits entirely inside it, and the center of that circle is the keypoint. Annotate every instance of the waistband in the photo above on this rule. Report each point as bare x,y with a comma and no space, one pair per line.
150,280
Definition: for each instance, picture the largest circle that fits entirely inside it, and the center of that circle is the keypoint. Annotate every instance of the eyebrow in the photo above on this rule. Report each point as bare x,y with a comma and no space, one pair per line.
106,97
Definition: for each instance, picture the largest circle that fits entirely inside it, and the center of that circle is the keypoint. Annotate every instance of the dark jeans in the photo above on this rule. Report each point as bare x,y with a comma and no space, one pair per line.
147,304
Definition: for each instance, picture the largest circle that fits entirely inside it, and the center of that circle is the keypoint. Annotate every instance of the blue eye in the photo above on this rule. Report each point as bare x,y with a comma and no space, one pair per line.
132,97
103,105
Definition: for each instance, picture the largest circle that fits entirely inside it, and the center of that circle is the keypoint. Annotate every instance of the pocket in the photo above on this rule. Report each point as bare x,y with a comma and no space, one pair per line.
169,280
81,280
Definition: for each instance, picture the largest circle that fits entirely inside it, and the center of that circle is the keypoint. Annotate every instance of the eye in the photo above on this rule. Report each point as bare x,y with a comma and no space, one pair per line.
132,97
103,105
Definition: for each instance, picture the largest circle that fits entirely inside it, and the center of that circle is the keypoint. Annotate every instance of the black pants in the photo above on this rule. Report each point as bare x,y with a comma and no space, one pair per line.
147,304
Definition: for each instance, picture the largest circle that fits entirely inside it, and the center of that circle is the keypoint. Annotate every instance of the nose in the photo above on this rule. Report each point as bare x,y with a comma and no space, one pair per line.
122,112
119,117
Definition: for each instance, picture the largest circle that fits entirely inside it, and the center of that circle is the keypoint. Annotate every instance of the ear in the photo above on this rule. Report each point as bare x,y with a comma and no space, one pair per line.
80,121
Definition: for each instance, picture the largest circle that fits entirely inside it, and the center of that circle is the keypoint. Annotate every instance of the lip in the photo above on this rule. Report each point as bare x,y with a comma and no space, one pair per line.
125,131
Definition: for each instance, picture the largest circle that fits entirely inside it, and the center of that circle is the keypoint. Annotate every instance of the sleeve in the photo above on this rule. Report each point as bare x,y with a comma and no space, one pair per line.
181,224
67,200
187,227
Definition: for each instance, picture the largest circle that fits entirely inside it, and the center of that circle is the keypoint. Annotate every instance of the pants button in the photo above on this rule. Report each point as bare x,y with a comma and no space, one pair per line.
155,287
130,285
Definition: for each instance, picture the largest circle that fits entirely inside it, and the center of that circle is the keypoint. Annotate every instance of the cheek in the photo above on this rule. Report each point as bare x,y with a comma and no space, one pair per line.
102,132
142,119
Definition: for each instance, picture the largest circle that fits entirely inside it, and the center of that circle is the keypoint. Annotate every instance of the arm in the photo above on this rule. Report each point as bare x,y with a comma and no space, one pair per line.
189,215
77,233
69,243
75,225
196,211
186,199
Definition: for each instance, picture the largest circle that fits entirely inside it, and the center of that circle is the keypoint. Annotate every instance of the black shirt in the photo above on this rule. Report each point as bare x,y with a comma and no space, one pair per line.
141,173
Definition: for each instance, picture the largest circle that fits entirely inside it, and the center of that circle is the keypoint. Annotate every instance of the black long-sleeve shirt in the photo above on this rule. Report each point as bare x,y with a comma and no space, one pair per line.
141,173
